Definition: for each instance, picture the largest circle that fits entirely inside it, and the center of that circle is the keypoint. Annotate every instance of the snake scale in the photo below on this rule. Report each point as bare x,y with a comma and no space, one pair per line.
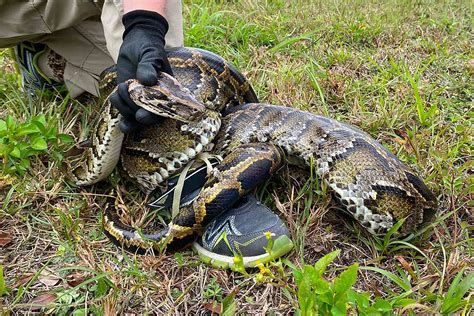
210,107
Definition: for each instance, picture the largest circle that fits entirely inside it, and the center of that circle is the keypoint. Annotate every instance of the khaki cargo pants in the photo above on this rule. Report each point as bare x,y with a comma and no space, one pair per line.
86,33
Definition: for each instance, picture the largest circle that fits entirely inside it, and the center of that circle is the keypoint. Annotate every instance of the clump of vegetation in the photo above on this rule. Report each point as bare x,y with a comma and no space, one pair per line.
20,142
317,296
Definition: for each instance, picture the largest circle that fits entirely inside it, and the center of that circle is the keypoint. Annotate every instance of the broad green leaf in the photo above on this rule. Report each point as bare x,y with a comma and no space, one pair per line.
57,156
382,305
65,138
102,286
3,125
24,164
339,308
307,307
40,126
5,149
39,143
229,307
27,129
51,132
311,281
10,123
41,119
320,286
66,298
325,297
16,152
345,281
26,150
298,276
322,263
361,299
79,312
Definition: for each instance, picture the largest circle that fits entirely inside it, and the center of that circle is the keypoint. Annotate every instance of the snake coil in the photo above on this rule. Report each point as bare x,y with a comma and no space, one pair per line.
210,107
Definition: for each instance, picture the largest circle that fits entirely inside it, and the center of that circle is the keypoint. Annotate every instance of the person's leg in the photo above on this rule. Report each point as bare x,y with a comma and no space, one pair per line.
174,15
71,29
92,45
74,30
84,50
29,56
28,20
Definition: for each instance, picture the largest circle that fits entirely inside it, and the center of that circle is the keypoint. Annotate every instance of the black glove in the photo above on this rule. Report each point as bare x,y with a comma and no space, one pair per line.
142,56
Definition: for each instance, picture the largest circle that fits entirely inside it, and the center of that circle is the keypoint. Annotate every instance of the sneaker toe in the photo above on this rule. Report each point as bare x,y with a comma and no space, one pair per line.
244,230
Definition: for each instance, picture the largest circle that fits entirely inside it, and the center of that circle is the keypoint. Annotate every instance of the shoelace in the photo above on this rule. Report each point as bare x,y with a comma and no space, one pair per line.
201,157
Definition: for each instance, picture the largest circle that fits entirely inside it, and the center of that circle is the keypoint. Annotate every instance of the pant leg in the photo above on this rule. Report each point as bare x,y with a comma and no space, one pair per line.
74,30
174,16
84,48
71,28
27,20
103,38
112,12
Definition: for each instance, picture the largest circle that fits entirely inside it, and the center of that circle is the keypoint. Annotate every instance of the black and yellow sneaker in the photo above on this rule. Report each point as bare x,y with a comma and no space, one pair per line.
27,55
249,233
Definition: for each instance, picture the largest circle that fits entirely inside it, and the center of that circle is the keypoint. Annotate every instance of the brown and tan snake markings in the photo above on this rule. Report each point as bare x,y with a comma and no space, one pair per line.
210,107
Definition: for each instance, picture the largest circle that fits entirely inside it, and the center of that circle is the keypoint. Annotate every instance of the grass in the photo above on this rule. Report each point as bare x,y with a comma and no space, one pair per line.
400,70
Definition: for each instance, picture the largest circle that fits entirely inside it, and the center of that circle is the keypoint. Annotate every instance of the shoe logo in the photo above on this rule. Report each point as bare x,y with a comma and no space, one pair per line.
33,78
213,234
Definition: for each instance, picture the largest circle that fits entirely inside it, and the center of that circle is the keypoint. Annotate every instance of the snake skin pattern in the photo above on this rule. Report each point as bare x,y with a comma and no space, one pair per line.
210,107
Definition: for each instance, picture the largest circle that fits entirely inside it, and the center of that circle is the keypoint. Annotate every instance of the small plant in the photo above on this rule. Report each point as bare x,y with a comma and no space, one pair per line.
317,296
228,306
425,113
213,291
19,142
453,300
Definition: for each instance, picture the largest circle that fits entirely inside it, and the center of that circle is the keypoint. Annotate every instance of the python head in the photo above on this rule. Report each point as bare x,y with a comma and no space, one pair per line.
409,199
168,98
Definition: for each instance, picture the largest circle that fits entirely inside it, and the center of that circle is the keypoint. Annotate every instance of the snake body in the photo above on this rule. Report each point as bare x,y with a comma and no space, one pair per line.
210,107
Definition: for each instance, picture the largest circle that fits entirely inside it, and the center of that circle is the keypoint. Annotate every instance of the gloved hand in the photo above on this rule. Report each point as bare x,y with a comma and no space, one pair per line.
142,56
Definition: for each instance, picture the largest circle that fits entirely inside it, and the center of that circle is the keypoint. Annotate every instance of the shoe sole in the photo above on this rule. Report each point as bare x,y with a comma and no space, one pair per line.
281,246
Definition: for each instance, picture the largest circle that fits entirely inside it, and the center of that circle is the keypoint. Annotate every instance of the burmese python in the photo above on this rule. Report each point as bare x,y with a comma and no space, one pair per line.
210,107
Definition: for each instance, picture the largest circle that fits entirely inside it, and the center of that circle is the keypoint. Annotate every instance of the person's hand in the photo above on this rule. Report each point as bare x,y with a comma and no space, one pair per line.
142,56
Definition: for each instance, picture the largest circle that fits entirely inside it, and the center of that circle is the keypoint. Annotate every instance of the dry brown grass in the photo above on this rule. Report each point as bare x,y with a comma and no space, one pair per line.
352,63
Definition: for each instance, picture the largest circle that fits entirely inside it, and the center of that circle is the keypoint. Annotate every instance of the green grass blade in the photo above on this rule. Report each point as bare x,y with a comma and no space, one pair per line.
3,287
391,232
452,300
292,40
391,276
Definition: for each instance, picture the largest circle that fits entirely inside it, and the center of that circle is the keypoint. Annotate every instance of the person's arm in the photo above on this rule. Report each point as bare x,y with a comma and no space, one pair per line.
157,6
142,56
